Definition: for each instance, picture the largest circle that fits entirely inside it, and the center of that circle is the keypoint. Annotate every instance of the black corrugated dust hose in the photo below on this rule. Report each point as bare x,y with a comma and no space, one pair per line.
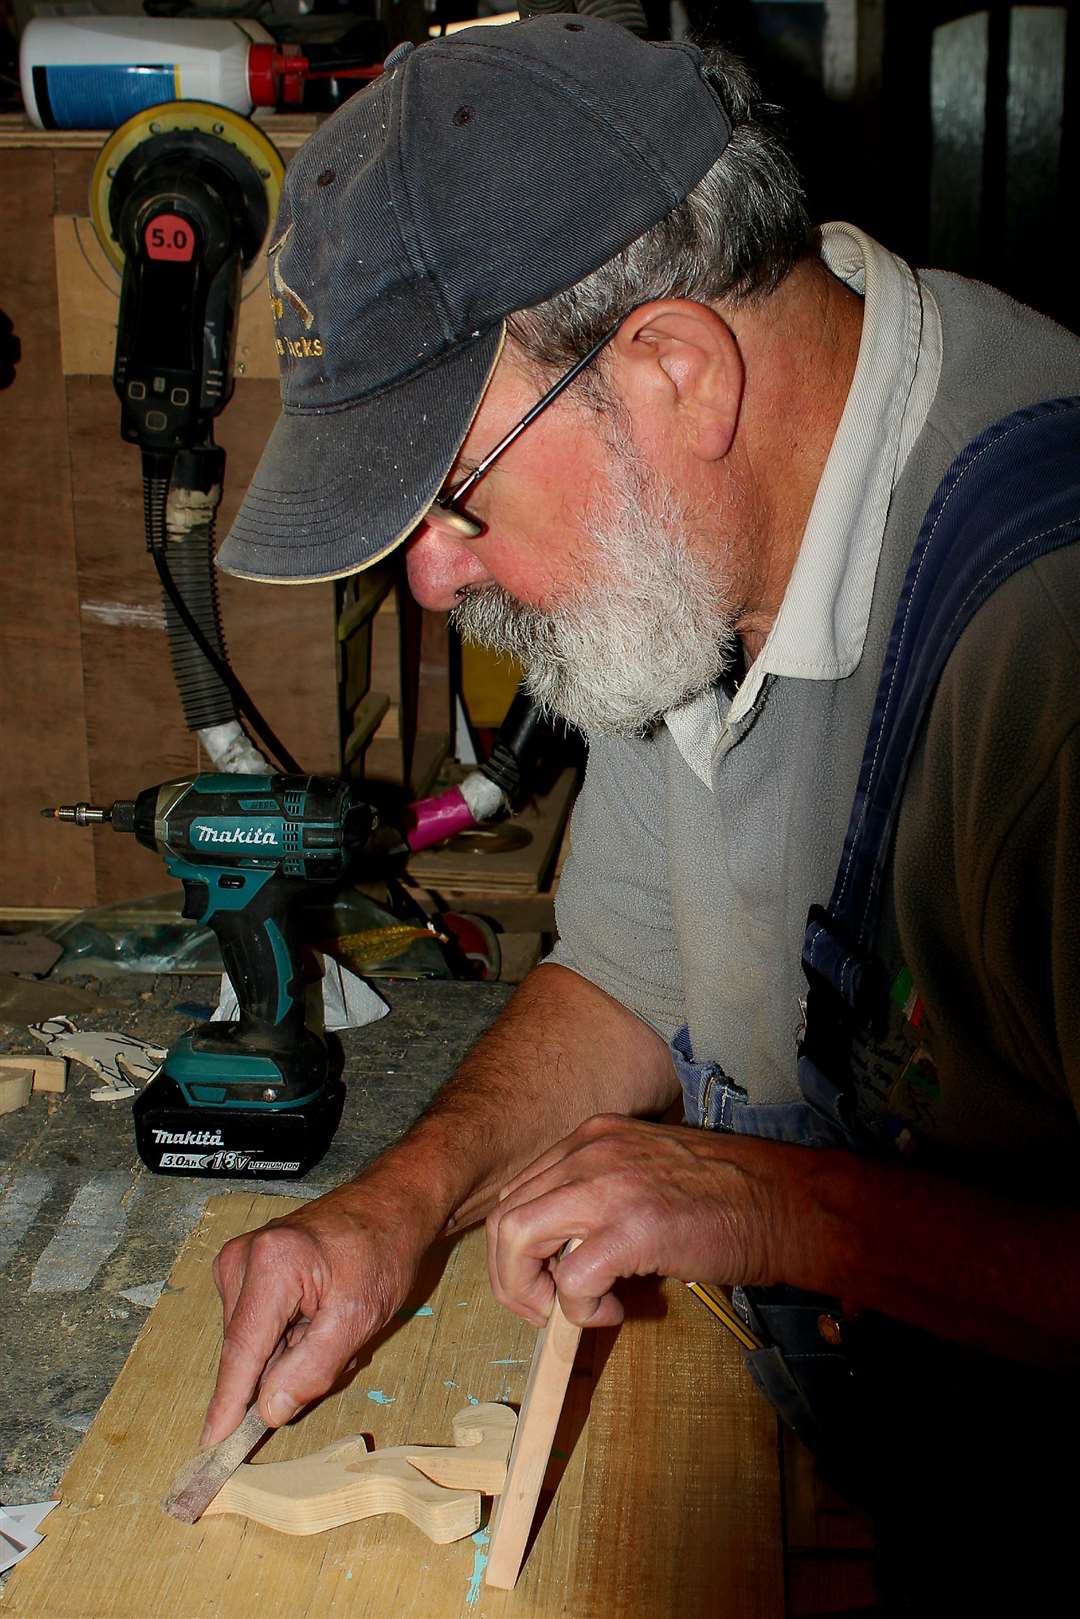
189,523
180,494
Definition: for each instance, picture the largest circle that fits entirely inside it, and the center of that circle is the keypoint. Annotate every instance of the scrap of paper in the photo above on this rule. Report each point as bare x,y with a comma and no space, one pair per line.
19,1531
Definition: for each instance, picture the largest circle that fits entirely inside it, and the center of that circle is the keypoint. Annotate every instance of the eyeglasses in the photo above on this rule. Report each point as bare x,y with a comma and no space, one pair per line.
448,507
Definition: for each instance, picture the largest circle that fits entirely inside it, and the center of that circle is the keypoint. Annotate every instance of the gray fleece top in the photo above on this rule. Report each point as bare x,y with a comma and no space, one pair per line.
688,904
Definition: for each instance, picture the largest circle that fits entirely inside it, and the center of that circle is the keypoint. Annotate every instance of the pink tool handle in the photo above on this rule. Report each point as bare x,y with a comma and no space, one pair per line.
430,820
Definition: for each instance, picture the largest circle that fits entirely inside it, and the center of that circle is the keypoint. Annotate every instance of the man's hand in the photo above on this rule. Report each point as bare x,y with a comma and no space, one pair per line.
301,1295
644,1199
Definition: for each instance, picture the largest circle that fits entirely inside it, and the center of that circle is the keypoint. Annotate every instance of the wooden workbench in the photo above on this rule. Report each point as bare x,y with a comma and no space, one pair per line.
667,1504
687,1500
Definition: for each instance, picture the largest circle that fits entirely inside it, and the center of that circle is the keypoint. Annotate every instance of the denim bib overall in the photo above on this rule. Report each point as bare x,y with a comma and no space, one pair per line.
853,1389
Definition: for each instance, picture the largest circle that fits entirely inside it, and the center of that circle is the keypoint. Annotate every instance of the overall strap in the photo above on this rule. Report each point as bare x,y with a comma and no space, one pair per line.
1012,495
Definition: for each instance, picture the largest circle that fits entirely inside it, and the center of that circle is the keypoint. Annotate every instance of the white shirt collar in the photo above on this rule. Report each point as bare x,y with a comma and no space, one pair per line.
820,629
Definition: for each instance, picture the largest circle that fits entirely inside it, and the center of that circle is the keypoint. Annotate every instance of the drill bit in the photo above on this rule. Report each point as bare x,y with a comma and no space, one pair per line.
81,814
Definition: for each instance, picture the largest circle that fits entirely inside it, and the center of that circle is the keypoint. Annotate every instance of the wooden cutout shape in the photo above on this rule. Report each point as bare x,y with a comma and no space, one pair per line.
346,1482
341,1484
477,1459
552,1363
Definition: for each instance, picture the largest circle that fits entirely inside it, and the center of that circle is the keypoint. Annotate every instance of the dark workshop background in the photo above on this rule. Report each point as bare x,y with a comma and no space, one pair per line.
948,131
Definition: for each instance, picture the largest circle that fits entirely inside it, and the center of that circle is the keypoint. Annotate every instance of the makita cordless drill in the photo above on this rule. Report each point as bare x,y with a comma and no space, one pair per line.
254,1097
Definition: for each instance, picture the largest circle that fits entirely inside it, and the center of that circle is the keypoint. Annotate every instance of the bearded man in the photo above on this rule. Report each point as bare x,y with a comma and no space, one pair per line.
785,528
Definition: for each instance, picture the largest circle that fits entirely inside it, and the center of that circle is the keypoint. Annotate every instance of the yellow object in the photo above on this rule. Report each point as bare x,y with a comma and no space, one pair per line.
362,951
488,683
209,119
723,1311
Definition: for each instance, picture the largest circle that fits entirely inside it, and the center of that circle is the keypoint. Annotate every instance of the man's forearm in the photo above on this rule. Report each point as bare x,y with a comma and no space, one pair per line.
1002,1275
561,1051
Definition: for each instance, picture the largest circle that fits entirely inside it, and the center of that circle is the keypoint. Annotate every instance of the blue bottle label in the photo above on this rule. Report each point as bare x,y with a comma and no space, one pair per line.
101,96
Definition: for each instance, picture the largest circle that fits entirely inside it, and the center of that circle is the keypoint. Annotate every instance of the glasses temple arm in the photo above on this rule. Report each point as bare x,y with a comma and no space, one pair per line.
552,394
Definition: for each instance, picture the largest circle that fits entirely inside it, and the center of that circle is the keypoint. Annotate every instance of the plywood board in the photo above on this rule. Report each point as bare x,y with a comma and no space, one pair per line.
668,1505
43,728
288,131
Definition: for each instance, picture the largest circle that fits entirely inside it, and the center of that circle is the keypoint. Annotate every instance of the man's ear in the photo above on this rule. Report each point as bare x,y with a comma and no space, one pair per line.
679,369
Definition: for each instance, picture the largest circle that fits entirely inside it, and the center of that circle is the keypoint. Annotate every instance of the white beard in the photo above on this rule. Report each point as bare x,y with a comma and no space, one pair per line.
649,631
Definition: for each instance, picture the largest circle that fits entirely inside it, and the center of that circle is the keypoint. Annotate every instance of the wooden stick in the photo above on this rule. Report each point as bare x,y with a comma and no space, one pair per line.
552,1363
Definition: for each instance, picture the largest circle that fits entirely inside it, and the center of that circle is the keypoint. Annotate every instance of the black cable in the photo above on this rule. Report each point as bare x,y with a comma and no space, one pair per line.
155,495
327,64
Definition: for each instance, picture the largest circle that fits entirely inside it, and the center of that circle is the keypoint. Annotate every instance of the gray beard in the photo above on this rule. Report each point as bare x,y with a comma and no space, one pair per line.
652,633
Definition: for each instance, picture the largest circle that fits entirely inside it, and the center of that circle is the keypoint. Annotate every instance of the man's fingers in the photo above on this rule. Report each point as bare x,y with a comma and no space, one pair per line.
517,1252
539,1166
307,1368
295,1333
592,1130
236,1384
230,1266
524,1239
579,1299
262,1313
537,1306
592,1312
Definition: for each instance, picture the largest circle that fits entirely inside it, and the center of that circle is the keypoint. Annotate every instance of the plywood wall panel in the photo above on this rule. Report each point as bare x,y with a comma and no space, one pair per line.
73,170
282,639
41,688
90,709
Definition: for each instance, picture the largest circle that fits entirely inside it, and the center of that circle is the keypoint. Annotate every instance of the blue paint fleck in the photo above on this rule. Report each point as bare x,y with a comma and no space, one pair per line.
379,1397
479,1564
472,1399
348,1573
510,1362
448,1383
407,1315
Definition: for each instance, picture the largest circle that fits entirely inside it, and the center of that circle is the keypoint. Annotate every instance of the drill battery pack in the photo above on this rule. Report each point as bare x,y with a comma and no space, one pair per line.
232,1129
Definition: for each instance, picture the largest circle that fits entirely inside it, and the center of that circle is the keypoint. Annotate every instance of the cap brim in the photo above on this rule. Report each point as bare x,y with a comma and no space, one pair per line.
336,490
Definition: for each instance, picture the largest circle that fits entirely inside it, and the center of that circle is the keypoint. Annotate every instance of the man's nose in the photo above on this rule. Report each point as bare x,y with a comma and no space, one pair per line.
439,563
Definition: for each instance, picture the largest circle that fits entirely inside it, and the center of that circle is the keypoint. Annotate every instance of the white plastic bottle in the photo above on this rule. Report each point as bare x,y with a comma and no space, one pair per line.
96,72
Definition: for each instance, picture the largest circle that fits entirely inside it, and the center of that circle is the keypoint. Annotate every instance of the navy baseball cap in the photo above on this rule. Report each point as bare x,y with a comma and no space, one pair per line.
481,174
